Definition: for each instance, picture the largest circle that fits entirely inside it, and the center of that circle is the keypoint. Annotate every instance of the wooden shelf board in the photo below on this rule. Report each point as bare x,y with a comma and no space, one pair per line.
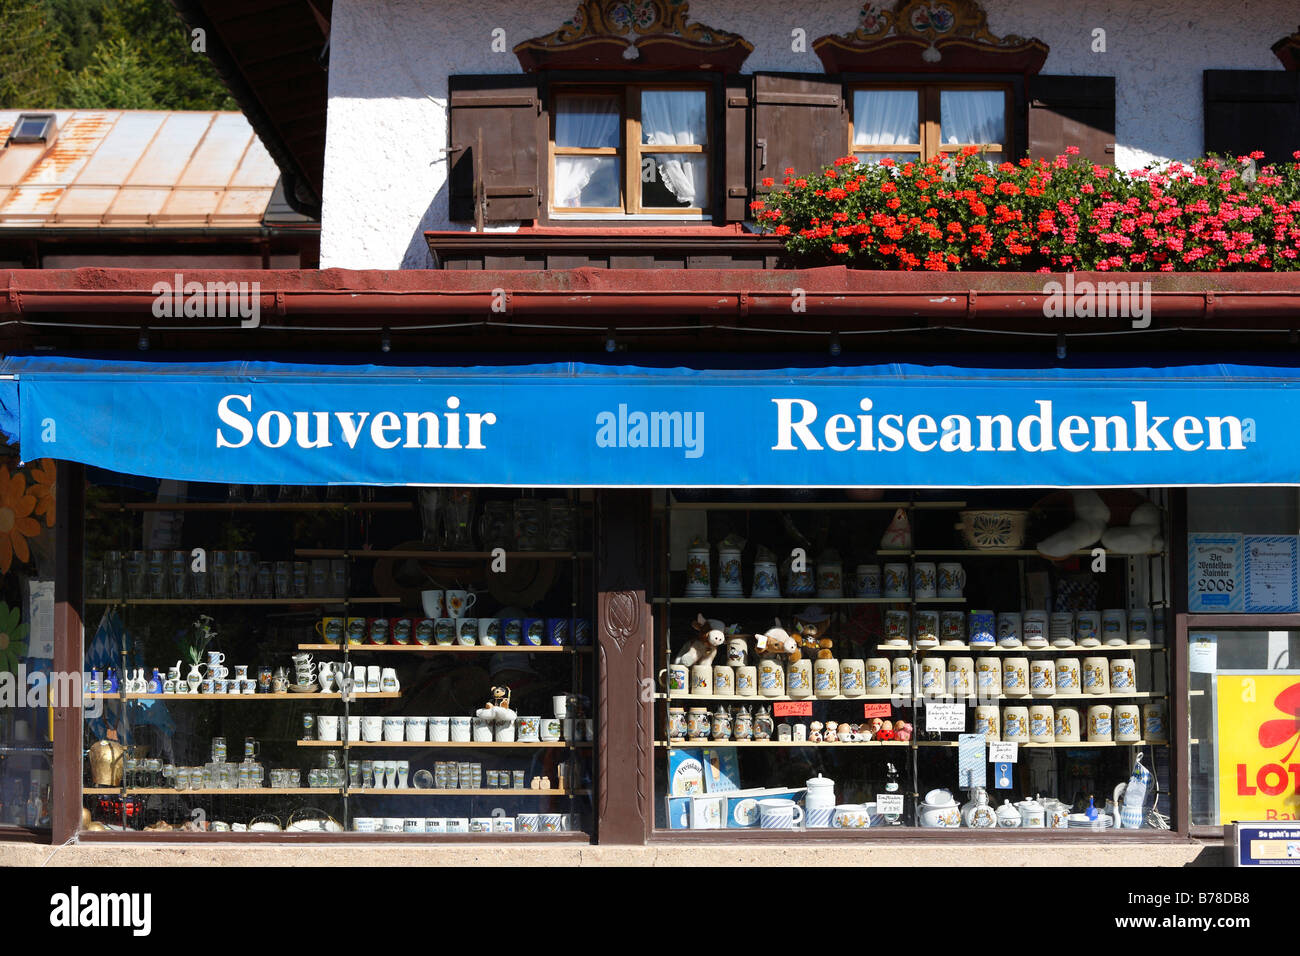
454,744
687,599
1029,744
217,792
1027,650
252,602
776,743
468,791
866,698
382,695
256,506
421,555
444,648
814,505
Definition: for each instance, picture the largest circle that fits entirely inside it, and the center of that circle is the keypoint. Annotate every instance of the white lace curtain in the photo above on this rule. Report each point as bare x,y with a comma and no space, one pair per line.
676,118
972,116
588,122
886,118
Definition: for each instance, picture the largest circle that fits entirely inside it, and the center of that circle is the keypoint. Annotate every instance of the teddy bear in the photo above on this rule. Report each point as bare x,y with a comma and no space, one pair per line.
703,647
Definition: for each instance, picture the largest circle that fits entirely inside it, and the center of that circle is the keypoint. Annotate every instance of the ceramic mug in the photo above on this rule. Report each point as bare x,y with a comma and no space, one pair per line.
1042,677
461,729
1100,728
901,669
952,579
431,602
440,729
878,676
444,631
746,680
330,629
1087,628
897,628
1128,723
987,721
1034,629
1060,628
1123,674
934,676
459,602
377,630
702,679
853,679
894,580
394,729
401,630
1067,674
417,728
779,814
925,579
771,678
1042,724
1065,724
489,631
1009,629
372,729
327,727
798,679
983,629
675,678
423,629
1096,675
866,580
826,677
1015,677
724,680
1153,722
961,677
1015,724
1114,627
926,628
1139,626
988,677
467,632
952,628
356,630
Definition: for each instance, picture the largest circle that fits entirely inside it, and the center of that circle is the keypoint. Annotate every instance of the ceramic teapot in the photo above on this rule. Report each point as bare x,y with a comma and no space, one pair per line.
977,813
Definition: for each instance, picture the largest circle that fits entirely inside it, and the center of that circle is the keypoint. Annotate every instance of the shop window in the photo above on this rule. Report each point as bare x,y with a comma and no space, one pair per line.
638,151
925,121
353,659
850,662
27,494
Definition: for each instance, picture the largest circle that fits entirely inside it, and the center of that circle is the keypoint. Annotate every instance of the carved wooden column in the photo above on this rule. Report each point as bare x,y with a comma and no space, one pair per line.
624,662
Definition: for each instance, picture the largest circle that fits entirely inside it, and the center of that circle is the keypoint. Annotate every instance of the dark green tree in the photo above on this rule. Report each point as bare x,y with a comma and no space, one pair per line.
30,57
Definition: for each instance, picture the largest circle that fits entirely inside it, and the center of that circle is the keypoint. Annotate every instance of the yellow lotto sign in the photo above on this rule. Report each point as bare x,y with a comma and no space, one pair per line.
1259,740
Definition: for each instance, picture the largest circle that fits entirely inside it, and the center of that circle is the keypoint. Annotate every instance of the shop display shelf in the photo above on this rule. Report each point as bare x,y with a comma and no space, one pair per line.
249,602
466,792
1028,744
815,505
685,599
214,791
866,698
8,751
1030,699
431,555
445,648
991,553
450,744
1073,649
378,695
255,506
679,745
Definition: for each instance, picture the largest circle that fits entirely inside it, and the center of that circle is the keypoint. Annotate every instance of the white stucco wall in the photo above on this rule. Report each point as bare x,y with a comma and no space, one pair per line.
385,173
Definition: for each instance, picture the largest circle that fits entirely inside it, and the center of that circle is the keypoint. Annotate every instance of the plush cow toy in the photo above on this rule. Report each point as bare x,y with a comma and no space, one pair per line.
703,647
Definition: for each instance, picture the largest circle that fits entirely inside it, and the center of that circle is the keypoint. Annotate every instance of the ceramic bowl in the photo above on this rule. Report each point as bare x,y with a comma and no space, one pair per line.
940,817
939,798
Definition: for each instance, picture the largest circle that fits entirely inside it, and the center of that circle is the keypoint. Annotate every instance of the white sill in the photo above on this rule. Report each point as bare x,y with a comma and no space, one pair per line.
634,217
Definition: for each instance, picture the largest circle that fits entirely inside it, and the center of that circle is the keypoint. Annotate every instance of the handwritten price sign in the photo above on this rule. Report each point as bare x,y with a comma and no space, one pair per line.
876,710
792,708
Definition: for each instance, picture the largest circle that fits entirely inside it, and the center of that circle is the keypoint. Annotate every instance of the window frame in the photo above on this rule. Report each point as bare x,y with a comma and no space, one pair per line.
631,152
1014,148
931,145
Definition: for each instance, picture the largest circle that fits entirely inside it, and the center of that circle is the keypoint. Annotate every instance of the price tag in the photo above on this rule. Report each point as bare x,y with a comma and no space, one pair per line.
792,708
945,717
876,710
890,804
1003,753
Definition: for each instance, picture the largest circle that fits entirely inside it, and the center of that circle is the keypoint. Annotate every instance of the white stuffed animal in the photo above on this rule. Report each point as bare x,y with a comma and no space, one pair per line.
1142,536
1090,517
703,647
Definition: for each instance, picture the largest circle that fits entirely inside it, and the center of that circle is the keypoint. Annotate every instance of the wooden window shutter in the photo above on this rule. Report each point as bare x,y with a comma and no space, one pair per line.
735,147
1072,111
1248,110
799,122
502,116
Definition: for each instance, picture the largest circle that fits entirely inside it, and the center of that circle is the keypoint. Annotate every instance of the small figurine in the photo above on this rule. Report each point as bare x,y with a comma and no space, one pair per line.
898,536
815,732
763,725
497,711
703,647
831,734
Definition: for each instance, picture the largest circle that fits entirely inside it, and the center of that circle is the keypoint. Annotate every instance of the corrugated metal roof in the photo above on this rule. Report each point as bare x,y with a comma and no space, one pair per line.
136,169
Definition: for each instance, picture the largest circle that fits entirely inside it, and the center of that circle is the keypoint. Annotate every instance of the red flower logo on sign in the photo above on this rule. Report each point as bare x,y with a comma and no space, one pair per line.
1275,733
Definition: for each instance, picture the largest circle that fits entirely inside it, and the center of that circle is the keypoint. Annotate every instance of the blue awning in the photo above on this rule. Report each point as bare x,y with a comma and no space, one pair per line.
563,424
